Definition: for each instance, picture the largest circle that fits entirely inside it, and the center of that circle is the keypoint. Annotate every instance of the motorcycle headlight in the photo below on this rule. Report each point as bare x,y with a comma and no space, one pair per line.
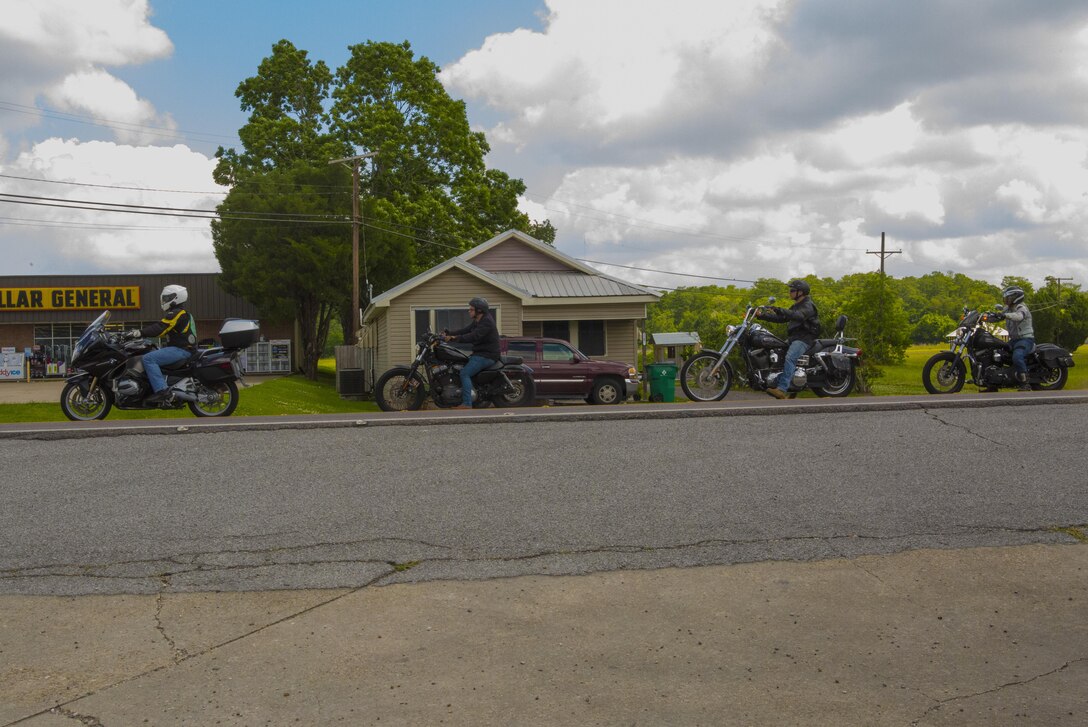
729,330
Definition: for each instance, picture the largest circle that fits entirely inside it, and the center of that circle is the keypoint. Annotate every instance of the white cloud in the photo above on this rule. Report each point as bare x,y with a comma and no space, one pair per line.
91,240
96,93
765,137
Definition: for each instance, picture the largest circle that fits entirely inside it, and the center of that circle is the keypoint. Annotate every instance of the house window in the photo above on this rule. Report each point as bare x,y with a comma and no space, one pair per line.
435,320
556,329
591,339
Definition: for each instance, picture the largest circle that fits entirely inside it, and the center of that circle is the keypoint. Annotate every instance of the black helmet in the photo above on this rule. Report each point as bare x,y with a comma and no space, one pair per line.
798,284
1014,293
480,304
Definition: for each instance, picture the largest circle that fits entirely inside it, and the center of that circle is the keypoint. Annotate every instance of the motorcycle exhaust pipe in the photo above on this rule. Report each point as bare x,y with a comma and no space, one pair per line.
184,396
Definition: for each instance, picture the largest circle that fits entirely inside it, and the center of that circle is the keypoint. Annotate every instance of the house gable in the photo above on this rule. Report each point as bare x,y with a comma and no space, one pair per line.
513,255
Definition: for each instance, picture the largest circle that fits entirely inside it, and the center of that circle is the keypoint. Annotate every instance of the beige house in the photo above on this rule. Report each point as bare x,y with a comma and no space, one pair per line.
533,290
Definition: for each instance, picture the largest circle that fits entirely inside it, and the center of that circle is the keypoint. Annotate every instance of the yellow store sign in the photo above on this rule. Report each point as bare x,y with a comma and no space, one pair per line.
32,299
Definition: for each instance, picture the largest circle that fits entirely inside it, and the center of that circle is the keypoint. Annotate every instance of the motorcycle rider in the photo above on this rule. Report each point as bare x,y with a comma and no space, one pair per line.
483,334
179,327
1017,318
802,326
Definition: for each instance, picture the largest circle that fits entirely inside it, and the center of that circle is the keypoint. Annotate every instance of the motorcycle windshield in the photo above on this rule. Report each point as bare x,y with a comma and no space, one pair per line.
89,335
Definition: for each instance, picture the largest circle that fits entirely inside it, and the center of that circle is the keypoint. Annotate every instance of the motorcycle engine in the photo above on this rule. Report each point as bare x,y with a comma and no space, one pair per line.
125,389
447,384
998,376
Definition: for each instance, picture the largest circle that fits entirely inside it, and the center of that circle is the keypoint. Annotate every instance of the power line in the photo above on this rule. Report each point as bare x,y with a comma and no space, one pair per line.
161,131
666,272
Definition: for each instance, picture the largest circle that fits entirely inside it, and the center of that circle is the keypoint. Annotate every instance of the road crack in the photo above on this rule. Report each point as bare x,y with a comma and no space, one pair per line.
972,432
1020,682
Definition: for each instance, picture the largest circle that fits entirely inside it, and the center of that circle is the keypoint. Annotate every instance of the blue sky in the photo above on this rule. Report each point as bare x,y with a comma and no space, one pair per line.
744,139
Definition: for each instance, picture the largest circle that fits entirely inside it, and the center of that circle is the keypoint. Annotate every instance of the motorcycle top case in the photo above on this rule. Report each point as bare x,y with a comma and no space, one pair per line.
239,333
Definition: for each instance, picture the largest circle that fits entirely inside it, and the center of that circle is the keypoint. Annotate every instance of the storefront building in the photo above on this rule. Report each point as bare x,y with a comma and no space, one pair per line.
42,316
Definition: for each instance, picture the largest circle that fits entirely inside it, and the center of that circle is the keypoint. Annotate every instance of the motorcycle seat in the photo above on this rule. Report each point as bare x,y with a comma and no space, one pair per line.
180,364
512,360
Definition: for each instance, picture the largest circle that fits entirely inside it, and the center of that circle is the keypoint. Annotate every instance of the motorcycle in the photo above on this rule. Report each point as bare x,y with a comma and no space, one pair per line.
990,359
436,371
828,367
109,372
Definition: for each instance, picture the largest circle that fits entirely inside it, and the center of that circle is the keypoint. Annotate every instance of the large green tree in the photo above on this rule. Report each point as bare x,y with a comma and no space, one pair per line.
284,237
278,240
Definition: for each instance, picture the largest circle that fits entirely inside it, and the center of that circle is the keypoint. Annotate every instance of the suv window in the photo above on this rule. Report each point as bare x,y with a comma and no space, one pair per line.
557,352
525,349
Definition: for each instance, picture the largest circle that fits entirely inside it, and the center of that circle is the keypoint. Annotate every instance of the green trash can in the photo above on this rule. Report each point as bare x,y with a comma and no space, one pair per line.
662,381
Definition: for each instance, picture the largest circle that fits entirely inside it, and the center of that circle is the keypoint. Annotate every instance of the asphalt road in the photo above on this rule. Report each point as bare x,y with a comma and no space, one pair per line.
345,507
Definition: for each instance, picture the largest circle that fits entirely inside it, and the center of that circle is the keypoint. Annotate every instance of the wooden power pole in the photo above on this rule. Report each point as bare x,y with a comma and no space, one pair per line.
356,314
882,253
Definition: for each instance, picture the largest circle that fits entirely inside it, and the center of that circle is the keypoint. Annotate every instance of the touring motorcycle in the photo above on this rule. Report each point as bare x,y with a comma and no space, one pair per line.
828,367
990,360
109,372
436,371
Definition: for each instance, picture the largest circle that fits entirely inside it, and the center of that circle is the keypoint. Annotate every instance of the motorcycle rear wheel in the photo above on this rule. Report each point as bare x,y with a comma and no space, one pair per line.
700,382
950,373
524,393
394,391
80,408
1052,379
223,405
838,383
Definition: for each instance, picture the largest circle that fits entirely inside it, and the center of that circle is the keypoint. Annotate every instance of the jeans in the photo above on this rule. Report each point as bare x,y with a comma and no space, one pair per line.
794,352
154,361
475,365
1021,347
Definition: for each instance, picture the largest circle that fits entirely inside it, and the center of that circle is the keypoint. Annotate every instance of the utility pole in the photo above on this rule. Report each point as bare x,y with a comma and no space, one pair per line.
882,253
355,224
1058,317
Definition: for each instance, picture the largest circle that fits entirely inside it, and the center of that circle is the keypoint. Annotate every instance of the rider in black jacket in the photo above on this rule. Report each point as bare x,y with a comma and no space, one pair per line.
179,327
802,327
483,334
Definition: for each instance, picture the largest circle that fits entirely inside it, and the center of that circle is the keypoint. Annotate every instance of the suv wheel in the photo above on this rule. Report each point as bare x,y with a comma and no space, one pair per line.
607,391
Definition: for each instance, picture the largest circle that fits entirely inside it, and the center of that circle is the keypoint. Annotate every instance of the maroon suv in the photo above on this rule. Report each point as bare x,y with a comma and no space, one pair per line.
560,371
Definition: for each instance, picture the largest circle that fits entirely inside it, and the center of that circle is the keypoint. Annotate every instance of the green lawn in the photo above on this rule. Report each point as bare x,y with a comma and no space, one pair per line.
279,397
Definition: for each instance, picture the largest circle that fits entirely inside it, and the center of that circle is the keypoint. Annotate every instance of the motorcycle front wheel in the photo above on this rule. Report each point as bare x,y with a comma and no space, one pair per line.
944,373
215,400
524,393
839,383
84,408
701,382
396,392
1052,379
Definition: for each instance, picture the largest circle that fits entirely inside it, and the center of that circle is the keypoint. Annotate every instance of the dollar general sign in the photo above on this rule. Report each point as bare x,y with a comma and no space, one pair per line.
32,299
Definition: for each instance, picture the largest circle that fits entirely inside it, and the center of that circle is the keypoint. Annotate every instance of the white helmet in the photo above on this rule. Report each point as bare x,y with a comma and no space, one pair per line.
173,295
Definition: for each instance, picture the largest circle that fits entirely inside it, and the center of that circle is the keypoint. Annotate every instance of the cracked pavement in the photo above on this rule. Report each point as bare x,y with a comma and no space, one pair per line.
898,567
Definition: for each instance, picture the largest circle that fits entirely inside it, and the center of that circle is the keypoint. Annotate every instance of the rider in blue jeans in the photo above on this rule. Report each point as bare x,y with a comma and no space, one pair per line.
802,326
483,334
178,326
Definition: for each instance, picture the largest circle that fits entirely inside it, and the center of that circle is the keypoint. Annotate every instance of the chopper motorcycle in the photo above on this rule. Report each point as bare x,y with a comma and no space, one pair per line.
109,372
828,368
436,372
990,360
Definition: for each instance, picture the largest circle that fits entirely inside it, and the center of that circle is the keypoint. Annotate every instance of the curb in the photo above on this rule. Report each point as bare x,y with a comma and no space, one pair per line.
83,430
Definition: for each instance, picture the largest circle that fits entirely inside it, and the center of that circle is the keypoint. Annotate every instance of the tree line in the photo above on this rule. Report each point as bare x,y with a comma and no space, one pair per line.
886,314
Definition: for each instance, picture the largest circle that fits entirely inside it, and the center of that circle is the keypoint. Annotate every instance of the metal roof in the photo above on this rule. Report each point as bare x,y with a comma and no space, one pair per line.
675,339
567,285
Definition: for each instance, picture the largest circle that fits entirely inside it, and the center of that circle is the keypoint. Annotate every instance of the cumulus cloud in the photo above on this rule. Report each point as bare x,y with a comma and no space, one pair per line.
765,136
92,240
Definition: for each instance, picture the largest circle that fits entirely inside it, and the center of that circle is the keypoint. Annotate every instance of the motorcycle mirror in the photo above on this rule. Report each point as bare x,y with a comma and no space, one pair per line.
771,300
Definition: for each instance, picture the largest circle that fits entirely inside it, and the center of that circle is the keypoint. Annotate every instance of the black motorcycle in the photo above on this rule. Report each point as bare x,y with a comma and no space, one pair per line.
436,371
109,372
828,367
990,359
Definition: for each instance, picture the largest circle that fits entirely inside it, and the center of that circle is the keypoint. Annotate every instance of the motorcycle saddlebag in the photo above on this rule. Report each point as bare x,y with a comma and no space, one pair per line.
1053,356
836,362
239,333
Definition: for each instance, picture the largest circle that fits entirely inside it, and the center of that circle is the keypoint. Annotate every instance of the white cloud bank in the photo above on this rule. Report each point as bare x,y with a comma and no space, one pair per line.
58,52
781,137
